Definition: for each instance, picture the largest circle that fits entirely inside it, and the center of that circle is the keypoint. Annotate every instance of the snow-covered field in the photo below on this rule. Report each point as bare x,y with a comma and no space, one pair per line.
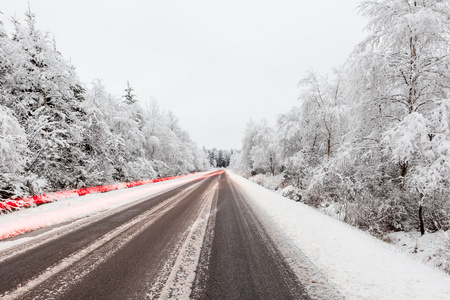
76,208
357,264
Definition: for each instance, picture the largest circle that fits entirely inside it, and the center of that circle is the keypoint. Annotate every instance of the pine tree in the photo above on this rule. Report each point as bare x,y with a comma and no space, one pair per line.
46,97
129,97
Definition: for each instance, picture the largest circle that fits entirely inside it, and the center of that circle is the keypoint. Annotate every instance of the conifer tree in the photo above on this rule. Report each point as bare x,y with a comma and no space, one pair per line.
129,97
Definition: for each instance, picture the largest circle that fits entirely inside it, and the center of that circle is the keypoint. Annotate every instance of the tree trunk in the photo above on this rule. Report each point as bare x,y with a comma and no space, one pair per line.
272,168
329,146
422,226
404,167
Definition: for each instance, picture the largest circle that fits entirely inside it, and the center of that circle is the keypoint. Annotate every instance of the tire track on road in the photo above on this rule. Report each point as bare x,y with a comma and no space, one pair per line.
134,267
98,251
181,278
239,260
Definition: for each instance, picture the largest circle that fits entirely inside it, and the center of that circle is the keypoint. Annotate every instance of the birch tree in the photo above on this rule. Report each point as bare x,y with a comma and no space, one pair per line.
410,41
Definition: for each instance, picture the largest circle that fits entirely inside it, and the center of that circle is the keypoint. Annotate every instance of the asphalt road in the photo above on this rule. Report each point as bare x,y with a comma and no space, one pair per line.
243,262
201,240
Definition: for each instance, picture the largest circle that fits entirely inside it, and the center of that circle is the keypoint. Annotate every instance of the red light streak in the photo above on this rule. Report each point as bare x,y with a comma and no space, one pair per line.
11,205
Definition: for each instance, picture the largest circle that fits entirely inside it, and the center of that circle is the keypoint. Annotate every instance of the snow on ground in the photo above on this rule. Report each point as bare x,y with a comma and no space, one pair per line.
71,209
357,264
430,248
269,182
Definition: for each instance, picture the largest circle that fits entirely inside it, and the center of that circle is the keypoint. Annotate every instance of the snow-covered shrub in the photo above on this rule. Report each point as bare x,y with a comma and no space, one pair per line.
35,185
292,192
268,181
12,186
141,168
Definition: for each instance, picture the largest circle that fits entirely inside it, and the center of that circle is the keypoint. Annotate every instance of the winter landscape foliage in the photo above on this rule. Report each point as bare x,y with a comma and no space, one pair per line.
219,158
369,142
56,134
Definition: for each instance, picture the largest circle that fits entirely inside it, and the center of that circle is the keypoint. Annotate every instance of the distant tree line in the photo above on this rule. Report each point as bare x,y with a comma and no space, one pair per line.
56,133
219,158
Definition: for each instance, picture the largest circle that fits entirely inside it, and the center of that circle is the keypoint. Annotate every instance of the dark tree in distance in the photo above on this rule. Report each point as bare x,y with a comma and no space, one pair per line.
129,97
219,158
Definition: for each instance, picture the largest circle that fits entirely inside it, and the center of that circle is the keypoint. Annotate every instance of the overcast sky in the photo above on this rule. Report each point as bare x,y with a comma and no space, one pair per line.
215,64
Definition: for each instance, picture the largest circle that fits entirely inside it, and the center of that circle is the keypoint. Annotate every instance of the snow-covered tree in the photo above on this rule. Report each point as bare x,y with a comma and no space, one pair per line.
408,44
129,97
219,158
46,98
260,151
408,47
372,140
55,134
13,153
321,102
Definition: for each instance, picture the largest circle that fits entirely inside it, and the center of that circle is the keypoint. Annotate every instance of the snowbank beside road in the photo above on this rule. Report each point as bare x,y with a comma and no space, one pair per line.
357,264
79,207
12,204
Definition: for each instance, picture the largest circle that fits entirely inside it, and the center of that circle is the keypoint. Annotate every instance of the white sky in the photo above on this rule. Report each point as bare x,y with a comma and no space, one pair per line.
215,64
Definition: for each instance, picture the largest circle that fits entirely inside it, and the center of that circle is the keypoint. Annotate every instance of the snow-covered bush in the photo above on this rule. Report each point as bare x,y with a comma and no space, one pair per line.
269,181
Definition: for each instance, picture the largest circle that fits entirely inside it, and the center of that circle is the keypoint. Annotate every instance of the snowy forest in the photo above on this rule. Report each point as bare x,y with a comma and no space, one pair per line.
219,158
56,133
369,142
